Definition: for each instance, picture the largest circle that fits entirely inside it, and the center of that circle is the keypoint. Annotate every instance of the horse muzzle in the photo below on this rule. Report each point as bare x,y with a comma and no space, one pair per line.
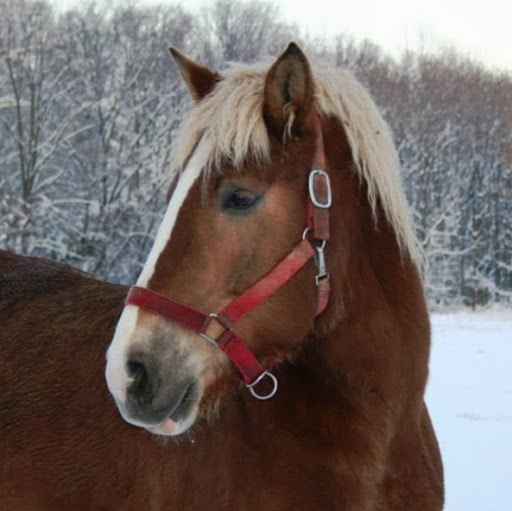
151,399
156,375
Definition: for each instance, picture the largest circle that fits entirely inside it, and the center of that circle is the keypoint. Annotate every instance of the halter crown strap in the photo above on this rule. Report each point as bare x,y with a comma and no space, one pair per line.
317,214
320,193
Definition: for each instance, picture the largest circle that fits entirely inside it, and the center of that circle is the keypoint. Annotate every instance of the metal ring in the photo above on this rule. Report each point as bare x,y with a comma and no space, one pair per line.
305,235
272,393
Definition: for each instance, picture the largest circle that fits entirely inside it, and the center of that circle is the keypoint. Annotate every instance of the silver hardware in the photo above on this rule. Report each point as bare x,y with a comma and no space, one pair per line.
319,259
314,199
305,235
209,339
320,264
319,278
272,393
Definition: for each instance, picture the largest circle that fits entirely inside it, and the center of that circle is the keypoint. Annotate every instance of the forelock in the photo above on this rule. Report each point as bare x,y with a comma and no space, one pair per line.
230,121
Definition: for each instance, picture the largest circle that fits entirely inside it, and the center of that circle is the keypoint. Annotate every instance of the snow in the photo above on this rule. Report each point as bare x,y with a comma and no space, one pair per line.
470,399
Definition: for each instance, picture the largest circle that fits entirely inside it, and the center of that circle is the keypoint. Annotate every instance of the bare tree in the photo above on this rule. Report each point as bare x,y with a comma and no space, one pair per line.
241,31
89,104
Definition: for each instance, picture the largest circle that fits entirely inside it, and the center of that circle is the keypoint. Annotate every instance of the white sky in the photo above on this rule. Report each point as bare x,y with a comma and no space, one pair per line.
481,29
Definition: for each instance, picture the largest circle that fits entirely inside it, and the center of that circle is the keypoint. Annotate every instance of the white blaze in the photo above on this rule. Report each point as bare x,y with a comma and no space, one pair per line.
187,179
117,378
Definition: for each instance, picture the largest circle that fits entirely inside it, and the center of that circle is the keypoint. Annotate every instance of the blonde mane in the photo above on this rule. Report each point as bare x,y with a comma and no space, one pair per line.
229,124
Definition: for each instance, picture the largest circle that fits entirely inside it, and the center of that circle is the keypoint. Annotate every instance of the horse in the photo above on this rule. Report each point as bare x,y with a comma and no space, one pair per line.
274,351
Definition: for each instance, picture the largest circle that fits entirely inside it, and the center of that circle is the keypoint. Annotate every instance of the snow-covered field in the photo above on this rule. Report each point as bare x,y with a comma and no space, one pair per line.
470,400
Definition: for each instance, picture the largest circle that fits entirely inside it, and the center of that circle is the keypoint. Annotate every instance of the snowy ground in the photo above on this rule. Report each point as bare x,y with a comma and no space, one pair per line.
470,400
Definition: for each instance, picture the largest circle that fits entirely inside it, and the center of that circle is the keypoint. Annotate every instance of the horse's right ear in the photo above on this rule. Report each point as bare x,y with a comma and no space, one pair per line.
289,91
199,79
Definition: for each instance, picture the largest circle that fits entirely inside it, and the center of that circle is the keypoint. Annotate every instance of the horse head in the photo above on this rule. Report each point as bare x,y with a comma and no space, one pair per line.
245,203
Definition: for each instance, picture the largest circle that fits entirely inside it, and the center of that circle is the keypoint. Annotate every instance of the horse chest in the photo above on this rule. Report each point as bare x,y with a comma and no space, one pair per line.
262,473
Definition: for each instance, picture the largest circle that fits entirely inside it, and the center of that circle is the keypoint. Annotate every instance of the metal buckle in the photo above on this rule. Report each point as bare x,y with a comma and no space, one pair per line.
314,199
251,386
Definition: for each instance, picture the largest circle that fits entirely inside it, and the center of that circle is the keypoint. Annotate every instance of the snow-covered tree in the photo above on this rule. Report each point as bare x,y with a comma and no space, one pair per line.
90,103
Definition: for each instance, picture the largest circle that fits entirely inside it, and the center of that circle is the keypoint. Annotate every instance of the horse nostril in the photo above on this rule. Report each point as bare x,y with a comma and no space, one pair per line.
141,388
151,400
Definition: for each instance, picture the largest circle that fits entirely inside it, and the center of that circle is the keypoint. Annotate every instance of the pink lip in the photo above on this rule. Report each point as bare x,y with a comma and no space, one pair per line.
168,427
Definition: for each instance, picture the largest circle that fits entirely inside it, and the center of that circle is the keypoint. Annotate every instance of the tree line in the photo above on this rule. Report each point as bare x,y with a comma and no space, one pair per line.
90,104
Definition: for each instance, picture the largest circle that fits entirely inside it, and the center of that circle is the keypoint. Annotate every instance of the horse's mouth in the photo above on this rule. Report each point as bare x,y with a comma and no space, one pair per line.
174,421
172,428
167,428
187,401
182,416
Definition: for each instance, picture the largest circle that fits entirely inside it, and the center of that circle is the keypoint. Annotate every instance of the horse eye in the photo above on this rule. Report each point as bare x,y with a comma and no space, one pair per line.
239,200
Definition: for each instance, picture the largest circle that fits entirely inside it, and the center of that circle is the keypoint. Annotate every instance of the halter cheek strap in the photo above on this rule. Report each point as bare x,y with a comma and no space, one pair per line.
317,214
317,223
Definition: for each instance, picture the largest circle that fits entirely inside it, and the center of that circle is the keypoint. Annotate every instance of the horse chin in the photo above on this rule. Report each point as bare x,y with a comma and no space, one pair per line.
172,428
168,427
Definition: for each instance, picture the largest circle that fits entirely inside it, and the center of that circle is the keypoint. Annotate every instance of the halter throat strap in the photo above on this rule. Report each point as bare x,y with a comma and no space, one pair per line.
248,365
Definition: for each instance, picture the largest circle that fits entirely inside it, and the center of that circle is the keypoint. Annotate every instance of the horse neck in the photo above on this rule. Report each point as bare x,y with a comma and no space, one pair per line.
371,343
367,353
375,334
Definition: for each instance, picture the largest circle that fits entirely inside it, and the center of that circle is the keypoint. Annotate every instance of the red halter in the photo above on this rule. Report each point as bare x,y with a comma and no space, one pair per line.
251,370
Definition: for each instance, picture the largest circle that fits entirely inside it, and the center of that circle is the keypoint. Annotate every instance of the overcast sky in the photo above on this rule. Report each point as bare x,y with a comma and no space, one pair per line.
481,29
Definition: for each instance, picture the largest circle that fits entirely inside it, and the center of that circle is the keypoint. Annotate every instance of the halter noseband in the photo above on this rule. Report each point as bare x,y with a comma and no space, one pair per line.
317,223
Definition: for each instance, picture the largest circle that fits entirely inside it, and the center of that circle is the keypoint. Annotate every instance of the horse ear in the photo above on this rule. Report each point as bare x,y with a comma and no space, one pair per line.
288,92
199,79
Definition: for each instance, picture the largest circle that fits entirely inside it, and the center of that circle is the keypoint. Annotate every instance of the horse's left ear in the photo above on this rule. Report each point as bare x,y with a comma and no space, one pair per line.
288,92
199,79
